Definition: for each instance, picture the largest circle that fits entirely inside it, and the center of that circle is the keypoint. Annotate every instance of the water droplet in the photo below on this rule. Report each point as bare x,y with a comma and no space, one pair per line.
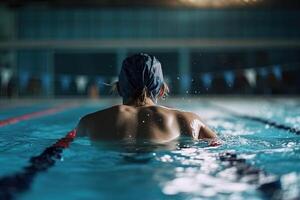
267,126
290,144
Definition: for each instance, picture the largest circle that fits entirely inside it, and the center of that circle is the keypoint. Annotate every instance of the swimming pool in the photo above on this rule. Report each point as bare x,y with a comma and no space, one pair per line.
181,170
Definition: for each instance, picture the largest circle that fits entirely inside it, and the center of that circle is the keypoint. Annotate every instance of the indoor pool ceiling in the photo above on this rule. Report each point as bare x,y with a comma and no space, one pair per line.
163,3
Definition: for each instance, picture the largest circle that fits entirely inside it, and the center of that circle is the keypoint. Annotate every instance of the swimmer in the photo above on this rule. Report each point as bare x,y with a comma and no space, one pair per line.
141,84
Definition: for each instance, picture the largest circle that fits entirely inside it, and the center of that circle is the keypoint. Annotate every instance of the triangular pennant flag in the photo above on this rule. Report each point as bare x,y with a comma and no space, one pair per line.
250,75
24,78
206,80
185,78
81,83
65,81
6,75
263,72
46,81
100,82
229,78
277,72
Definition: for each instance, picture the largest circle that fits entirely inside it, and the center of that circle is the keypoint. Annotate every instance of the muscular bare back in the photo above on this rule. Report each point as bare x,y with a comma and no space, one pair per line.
155,123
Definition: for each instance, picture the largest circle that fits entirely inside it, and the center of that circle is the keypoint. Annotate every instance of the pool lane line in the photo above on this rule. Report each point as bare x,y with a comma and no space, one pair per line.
12,185
20,106
269,186
259,119
41,113
20,182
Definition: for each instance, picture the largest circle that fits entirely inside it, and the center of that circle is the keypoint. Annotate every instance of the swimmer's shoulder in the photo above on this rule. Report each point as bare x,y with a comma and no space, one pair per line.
190,121
185,119
186,115
102,117
110,114
107,111
180,114
157,111
176,115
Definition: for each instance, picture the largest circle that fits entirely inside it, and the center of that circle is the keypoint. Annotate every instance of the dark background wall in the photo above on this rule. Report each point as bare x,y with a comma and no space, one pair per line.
41,43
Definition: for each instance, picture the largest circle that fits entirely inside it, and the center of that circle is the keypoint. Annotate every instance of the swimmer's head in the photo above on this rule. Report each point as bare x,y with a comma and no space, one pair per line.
141,77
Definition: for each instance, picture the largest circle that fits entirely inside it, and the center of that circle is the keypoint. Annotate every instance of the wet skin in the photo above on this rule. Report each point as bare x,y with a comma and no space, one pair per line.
151,122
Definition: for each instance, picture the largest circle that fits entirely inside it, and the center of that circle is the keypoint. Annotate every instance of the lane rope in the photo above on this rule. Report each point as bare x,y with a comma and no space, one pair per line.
269,186
14,120
259,119
12,185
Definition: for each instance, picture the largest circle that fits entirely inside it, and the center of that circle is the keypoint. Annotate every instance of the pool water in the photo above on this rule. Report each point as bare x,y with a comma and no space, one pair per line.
183,169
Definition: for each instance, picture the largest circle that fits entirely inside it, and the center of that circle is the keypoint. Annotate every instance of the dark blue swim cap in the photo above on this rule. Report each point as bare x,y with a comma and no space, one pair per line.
139,71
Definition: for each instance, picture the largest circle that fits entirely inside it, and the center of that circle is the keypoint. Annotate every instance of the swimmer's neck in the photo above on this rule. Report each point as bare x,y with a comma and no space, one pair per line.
136,103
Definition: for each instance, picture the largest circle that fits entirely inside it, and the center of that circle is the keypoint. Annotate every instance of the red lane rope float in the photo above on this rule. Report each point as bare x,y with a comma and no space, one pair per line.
36,114
65,141
21,181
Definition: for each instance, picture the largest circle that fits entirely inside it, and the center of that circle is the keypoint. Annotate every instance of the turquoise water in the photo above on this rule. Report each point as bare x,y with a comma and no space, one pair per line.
183,169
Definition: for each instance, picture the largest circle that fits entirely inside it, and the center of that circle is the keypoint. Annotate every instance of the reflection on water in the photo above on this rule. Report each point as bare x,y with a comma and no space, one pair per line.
261,162
187,169
193,169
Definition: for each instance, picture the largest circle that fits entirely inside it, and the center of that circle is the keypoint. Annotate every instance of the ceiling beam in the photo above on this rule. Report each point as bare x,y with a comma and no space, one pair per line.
150,44
156,3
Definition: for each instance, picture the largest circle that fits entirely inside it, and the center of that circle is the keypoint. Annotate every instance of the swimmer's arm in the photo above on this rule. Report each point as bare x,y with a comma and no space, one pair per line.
81,128
206,133
192,123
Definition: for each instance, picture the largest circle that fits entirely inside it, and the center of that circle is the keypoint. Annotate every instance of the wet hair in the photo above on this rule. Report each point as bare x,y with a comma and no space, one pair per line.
141,78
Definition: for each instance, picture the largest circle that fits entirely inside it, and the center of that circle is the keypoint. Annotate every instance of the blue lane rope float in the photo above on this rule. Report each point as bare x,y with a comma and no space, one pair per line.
271,188
272,123
19,182
261,120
